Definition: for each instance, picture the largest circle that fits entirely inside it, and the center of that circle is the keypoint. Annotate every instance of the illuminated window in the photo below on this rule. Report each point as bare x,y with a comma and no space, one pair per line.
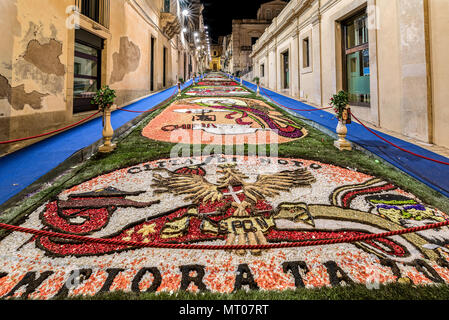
356,60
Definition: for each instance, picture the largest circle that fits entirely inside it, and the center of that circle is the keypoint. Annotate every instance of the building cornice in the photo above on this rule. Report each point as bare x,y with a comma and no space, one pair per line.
293,10
142,12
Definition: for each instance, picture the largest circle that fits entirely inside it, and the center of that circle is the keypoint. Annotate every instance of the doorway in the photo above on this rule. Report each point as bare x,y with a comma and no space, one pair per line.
87,70
153,40
164,76
356,60
285,70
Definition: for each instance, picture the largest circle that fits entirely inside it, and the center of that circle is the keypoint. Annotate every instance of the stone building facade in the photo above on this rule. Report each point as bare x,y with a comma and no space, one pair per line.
227,55
245,33
216,51
56,53
390,55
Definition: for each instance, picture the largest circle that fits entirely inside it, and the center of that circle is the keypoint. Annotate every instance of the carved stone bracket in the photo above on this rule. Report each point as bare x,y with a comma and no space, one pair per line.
170,24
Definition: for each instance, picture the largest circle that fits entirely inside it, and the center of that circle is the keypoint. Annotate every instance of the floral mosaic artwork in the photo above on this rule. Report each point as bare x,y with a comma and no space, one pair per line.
217,83
216,76
223,200
217,91
222,121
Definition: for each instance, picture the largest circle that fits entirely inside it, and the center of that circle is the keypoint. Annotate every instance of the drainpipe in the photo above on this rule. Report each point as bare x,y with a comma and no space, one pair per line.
430,111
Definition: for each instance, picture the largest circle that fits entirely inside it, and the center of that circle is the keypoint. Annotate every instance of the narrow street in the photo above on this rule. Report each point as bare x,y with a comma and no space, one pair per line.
224,151
173,185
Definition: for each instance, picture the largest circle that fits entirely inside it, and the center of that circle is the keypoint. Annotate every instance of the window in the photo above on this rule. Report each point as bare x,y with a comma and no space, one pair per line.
356,60
87,70
262,70
254,40
268,14
306,53
285,70
91,9
97,10
167,5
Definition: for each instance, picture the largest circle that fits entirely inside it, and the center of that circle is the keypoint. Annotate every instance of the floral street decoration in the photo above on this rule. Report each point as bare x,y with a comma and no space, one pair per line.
224,200
234,120
217,91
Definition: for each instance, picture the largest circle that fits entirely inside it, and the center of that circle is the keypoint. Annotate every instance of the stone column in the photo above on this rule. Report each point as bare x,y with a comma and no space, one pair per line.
316,59
294,70
415,114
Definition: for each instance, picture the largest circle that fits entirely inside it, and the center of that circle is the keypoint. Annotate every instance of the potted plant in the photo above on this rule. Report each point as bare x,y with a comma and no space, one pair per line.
339,102
104,99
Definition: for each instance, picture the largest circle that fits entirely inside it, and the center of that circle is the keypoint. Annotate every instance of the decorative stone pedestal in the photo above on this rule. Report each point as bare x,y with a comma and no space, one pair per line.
342,143
108,132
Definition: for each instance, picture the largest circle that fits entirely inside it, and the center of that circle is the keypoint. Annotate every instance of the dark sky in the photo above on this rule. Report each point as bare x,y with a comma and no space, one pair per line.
218,14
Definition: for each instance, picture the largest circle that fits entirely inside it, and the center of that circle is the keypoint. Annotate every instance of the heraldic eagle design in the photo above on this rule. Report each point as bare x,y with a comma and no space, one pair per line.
199,190
192,183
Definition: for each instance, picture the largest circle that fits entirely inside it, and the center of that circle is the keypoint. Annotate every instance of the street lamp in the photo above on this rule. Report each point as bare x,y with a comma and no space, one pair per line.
185,13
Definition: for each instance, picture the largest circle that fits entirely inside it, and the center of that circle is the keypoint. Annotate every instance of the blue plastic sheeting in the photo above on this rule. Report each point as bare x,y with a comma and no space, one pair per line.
20,169
433,174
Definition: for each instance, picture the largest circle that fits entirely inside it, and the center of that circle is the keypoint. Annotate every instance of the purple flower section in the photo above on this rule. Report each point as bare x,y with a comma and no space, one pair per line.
416,207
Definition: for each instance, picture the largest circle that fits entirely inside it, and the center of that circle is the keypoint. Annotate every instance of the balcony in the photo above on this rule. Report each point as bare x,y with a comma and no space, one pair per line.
169,20
96,10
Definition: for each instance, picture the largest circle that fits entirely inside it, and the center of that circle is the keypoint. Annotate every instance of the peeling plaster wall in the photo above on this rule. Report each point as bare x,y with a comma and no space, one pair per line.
32,68
130,50
37,61
125,61
8,21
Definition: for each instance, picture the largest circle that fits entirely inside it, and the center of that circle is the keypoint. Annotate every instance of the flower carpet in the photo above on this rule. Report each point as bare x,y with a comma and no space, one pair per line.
224,200
222,121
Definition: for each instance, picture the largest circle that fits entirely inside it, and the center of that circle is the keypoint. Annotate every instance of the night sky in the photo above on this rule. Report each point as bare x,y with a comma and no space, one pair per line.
218,14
